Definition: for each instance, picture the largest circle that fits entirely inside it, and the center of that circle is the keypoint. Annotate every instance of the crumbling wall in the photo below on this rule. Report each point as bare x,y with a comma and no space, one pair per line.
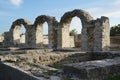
15,32
64,28
39,30
1,41
7,39
77,39
102,34
94,36
10,73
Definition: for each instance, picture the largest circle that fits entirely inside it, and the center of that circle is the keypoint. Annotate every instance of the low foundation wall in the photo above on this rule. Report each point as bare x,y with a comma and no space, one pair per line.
45,58
10,73
48,56
94,70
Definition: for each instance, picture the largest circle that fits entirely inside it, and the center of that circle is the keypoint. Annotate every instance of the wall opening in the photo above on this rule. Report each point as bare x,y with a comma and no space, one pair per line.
22,35
75,32
45,35
19,36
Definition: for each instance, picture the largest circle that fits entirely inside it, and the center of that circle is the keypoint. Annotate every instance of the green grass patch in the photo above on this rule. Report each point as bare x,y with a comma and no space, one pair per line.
57,66
114,77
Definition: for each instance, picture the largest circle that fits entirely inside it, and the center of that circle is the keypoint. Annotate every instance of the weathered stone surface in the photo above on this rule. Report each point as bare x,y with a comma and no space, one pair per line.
64,28
1,38
94,70
35,62
10,73
102,34
7,39
14,32
45,57
18,51
55,78
39,30
94,36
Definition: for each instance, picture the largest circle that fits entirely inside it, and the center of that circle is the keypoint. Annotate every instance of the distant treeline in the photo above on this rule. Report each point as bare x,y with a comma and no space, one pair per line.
115,30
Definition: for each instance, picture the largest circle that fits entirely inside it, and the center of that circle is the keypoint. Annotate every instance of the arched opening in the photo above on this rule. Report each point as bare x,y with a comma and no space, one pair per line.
19,32
45,35
42,35
19,35
44,25
75,32
64,28
22,36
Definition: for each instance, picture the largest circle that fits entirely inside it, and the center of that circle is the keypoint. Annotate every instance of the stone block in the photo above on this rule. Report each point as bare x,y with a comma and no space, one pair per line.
94,70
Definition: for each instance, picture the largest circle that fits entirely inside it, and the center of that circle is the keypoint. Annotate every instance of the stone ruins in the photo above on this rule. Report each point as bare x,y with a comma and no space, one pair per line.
94,35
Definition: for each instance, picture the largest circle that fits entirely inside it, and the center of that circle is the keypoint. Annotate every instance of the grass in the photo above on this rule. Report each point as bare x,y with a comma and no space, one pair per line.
115,77
57,66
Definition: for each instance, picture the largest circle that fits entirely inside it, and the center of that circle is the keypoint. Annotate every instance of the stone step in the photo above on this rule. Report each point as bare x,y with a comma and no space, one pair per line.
25,51
94,70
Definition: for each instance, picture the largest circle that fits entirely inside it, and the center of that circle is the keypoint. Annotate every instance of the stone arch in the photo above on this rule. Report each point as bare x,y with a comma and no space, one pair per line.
83,15
39,21
15,31
65,21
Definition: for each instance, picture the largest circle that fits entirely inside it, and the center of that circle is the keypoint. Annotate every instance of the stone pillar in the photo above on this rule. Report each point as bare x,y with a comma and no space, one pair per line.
102,34
50,35
63,36
7,37
30,37
84,39
59,38
55,36
39,35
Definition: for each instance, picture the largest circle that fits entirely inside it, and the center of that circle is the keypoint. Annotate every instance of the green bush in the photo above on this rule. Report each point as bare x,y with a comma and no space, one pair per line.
115,30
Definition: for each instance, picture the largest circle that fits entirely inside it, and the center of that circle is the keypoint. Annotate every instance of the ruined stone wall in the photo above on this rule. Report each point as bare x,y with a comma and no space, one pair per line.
7,39
11,73
114,41
102,34
1,41
30,37
44,57
72,41
15,32
94,36
77,40
39,30
1,38
64,30
22,38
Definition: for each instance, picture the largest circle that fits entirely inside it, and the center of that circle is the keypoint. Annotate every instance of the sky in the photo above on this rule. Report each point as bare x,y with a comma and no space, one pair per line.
10,10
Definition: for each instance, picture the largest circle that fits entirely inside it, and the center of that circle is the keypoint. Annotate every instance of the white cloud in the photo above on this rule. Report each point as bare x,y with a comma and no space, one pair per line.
115,14
93,10
98,12
16,2
116,3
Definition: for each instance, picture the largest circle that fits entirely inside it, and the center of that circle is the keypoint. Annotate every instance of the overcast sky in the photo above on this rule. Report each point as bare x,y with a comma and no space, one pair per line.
10,10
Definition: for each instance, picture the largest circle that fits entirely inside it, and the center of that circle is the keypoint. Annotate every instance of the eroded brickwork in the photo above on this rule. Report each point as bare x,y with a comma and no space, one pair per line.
94,36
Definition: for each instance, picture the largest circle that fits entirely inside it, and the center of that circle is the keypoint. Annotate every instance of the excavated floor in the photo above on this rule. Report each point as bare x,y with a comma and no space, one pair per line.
47,64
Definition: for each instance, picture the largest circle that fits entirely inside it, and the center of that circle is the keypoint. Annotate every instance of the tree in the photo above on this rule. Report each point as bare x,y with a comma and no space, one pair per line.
115,30
2,34
73,32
